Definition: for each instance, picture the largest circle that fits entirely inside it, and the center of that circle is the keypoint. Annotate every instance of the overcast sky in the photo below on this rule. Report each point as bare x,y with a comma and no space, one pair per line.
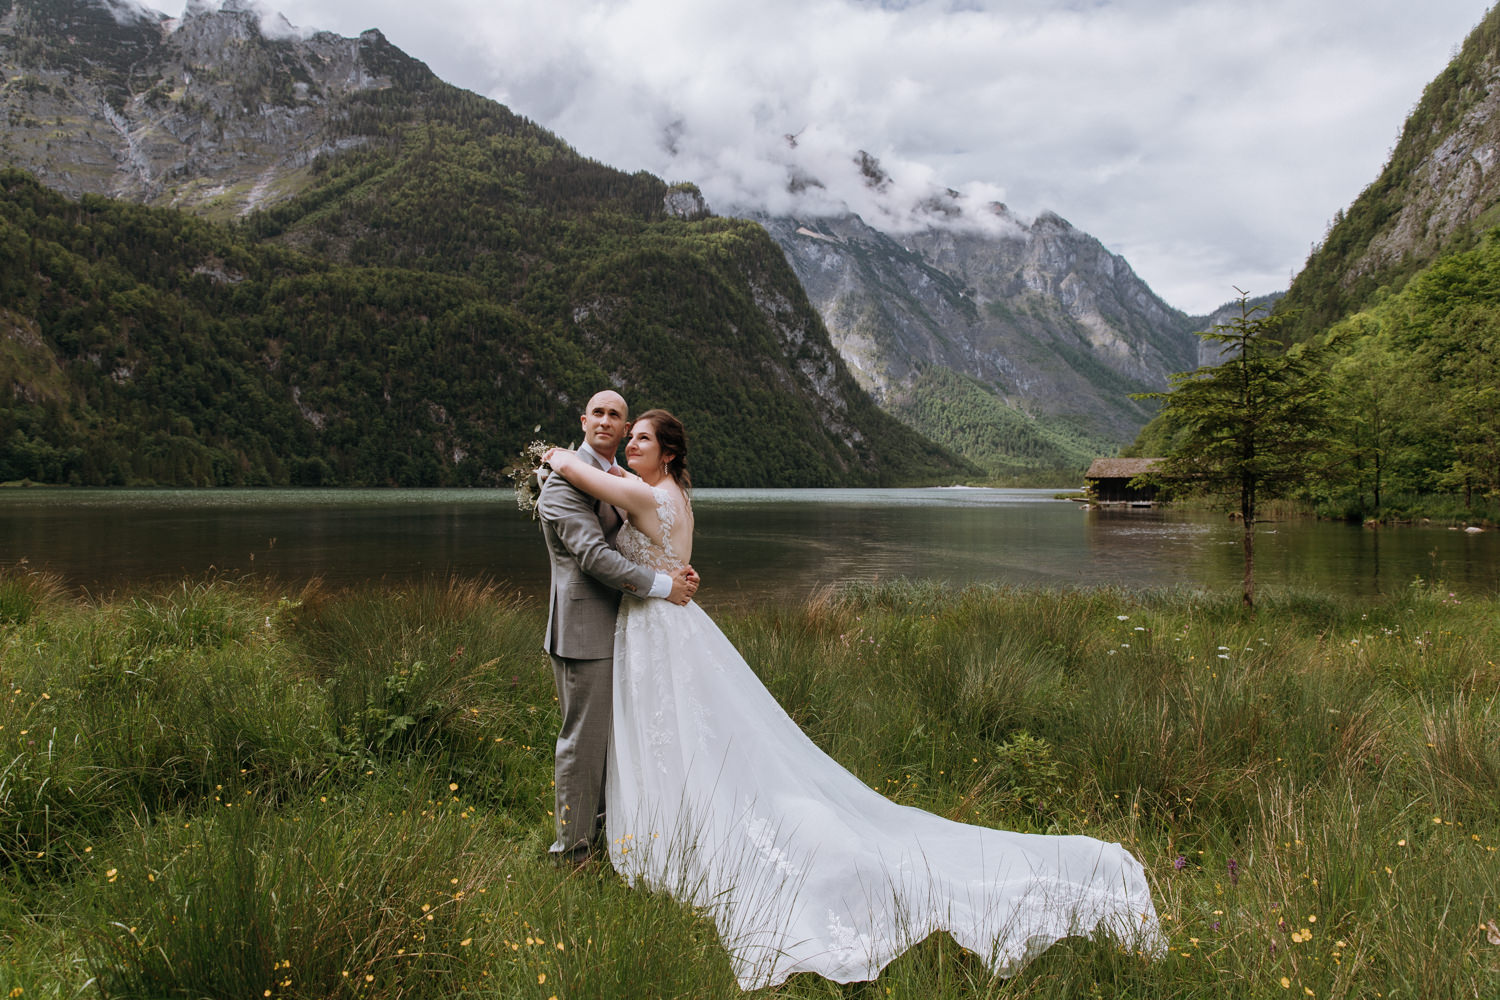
1207,141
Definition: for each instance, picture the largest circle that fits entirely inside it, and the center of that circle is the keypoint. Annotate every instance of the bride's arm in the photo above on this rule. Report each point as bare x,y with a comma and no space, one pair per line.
629,493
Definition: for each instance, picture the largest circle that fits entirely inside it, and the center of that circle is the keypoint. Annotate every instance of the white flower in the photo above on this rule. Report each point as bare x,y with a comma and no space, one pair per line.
1123,618
524,475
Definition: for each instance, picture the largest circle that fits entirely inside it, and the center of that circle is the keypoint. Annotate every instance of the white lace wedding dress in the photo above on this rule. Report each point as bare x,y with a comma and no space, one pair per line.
717,797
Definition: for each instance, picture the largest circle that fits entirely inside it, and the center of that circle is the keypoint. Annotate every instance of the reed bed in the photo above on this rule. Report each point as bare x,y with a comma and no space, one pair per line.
226,789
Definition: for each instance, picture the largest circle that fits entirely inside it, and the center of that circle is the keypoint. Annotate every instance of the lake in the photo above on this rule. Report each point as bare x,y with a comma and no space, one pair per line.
751,544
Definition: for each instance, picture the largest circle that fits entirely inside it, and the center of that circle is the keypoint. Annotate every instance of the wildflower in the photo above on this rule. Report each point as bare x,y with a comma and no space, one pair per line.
1234,872
1286,983
1123,618
1180,863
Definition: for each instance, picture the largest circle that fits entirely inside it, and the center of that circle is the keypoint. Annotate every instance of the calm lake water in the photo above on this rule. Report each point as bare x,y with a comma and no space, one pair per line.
751,544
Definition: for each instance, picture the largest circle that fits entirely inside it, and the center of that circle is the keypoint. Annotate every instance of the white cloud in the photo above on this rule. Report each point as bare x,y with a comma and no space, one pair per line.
1209,141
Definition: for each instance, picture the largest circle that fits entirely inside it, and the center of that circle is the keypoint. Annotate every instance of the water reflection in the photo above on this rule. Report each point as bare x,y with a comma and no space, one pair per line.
751,544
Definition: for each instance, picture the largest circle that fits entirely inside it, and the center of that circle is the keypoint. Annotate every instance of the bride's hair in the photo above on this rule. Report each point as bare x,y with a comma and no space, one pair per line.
672,438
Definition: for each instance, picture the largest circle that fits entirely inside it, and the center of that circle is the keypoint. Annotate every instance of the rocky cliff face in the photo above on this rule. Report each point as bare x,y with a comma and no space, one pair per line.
1438,193
1042,314
204,113
1451,187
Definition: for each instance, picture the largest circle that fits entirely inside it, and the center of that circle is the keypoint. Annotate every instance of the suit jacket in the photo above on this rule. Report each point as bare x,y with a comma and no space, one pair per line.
588,575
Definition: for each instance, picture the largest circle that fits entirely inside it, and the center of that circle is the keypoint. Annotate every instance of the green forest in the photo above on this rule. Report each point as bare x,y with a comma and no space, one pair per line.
454,286
1006,443
1411,393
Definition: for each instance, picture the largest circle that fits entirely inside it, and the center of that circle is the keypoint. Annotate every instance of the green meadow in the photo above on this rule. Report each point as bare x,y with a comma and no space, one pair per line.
225,789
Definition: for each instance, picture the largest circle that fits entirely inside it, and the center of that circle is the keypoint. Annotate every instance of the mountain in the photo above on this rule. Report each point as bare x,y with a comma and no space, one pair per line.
1403,300
268,259
1208,352
1438,194
1018,344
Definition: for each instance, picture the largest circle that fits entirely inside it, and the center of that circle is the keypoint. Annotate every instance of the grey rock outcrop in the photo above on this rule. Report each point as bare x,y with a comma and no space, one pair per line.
211,115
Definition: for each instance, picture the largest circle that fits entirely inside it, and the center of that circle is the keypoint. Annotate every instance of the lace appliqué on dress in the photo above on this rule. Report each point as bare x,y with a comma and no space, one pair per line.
644,550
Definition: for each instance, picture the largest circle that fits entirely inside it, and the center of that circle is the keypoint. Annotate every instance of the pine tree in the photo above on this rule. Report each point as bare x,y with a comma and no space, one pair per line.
1250,429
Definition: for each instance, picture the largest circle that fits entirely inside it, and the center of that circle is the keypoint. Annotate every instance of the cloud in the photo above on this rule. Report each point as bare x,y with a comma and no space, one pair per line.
1209,141
128,12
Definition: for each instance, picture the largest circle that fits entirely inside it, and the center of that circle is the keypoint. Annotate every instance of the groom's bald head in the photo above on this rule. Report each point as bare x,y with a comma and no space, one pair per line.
608,398
604,422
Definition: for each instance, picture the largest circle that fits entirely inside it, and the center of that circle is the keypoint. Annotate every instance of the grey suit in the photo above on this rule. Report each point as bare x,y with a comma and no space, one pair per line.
587,578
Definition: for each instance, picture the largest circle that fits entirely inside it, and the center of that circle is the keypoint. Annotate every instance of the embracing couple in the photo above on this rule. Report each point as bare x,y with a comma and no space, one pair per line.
676,761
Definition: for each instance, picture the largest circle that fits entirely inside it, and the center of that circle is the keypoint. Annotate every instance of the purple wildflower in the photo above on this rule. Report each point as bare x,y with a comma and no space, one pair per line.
1180,863
1234,872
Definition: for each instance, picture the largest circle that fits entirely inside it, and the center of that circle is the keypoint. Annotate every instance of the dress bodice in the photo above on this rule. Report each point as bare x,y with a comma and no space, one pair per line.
644,550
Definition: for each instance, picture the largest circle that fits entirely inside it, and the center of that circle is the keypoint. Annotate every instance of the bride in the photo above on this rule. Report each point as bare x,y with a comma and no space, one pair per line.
717,797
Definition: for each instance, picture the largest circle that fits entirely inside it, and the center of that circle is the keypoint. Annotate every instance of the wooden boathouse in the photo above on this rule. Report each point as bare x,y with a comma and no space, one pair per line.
1108,481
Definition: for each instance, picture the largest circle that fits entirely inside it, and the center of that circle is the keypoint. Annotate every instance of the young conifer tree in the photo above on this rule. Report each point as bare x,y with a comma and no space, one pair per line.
1249,429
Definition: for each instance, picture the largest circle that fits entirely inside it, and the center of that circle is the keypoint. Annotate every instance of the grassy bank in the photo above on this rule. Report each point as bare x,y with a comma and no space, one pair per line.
220,790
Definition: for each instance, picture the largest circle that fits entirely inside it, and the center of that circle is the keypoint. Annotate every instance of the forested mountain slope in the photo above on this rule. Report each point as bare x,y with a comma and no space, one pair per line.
417,278
1439,192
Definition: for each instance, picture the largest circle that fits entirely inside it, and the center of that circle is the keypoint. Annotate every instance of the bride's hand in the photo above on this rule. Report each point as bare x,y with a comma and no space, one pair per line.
558,457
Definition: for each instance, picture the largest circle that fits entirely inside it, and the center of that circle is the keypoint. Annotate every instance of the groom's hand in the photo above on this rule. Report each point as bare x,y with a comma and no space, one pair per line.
684,585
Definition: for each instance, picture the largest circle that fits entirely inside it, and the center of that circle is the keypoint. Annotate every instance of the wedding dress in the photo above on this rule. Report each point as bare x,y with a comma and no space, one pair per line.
718,798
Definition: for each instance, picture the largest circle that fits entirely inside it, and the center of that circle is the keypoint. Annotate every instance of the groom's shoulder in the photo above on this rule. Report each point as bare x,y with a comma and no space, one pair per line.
562,496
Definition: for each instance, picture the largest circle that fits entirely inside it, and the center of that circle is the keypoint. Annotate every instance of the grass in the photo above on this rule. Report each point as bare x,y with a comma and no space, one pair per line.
228,790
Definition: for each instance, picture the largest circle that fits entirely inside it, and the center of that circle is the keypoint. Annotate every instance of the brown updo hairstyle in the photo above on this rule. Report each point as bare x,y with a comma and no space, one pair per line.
672,438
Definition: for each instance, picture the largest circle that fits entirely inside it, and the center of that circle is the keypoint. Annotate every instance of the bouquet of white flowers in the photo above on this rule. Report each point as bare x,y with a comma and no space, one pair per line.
528,476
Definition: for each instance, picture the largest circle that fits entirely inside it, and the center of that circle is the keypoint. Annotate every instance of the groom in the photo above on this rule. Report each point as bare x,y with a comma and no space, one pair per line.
587,578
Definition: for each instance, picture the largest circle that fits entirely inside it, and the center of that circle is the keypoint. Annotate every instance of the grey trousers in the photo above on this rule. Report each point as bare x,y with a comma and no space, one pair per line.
585,695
